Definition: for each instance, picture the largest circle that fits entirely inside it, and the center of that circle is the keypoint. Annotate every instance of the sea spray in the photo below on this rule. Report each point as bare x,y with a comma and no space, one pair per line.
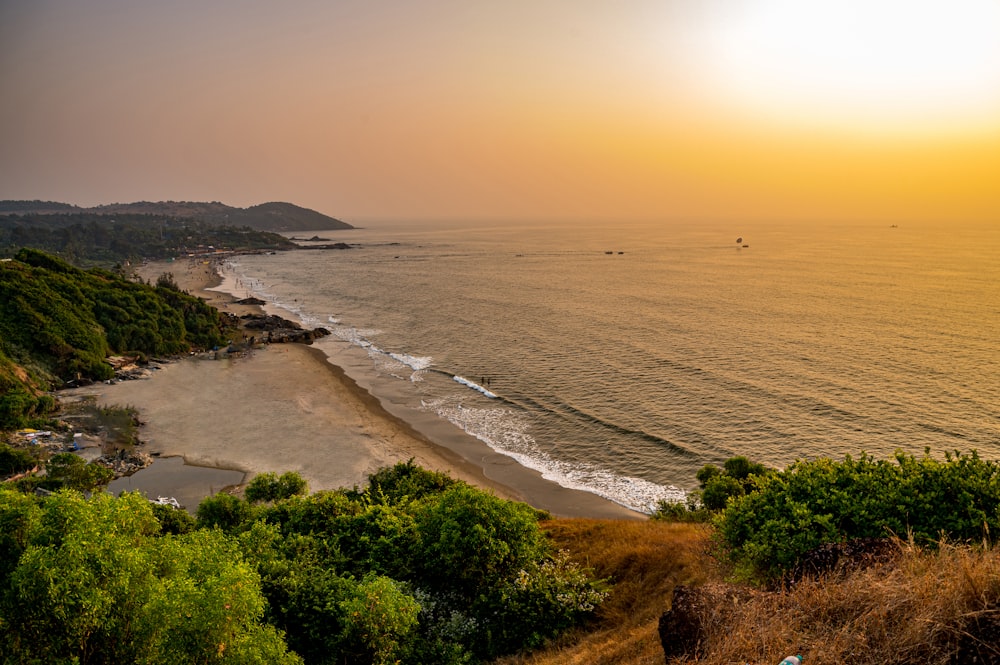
506,431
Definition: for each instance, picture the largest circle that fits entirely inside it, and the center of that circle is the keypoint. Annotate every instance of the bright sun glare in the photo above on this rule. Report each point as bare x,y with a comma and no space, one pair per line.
873,63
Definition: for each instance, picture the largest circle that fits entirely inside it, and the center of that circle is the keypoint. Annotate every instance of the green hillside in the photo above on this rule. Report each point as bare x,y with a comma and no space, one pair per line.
62,322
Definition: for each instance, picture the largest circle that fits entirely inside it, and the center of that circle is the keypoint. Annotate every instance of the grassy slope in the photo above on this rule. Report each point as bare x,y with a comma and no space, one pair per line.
917,608
644,561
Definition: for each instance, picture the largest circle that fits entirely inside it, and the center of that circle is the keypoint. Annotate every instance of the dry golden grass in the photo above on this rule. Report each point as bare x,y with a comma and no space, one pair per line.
644,561
914,609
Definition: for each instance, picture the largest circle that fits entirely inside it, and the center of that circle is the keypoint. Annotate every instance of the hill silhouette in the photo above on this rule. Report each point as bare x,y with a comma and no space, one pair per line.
273,216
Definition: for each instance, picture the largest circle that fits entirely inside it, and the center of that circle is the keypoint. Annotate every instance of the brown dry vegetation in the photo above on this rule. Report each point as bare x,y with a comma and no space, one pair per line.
925,607
921,606
643,561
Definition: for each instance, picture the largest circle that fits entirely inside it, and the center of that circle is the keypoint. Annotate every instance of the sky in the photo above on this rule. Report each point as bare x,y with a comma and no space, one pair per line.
797,110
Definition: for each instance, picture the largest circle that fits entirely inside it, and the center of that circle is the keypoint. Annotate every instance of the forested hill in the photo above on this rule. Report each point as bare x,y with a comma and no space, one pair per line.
59,323
274,216
93,239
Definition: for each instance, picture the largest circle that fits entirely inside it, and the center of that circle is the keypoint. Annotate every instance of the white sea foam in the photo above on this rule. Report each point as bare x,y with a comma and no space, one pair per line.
237,282
475,386
414,362
696,353
506,431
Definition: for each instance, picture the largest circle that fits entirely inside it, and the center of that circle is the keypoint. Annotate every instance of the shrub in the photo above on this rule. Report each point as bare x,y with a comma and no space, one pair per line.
470,540
272,487
223,511
66,470
378,619
404,481
813,502
15,460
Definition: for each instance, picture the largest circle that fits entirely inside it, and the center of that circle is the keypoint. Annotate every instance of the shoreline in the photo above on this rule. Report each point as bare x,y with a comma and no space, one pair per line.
254,414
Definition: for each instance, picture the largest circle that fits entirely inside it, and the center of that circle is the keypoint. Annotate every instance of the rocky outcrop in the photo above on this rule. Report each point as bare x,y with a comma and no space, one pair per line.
276,330
125,462
335,245
844,557
694,613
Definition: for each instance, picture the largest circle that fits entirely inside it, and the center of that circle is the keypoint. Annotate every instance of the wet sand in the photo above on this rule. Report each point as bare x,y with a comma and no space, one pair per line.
285,407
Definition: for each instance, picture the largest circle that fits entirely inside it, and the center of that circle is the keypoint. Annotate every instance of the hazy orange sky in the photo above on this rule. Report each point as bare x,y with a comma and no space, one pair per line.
563,109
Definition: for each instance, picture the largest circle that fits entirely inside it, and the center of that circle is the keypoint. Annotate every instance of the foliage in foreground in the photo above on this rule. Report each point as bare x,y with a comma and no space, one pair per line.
418,568
788,514
92,581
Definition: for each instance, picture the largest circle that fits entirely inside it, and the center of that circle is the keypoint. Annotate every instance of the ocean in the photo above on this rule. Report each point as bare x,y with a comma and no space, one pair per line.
620,359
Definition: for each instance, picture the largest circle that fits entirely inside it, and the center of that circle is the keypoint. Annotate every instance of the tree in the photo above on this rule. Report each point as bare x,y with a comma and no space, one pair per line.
378,619
470,540
791,513
94,583
223,511
272,487
66,470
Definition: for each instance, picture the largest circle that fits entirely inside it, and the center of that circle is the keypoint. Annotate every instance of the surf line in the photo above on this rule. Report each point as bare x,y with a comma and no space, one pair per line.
474,386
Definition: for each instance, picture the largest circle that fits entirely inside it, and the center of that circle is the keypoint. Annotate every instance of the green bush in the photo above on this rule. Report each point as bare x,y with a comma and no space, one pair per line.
15,460
172,520
272,487
469,540
690,510
788,514
90,580
405,481
716,487
478,567
455,577
69,471
378,620
224,511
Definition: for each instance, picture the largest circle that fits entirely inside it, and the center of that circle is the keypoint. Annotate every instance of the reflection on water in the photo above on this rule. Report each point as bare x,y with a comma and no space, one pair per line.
623,357
170,476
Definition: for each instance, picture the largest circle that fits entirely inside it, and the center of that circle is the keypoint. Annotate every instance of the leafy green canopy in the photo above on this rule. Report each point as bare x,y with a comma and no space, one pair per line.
788,514
66,321
91,581
272,487
418,569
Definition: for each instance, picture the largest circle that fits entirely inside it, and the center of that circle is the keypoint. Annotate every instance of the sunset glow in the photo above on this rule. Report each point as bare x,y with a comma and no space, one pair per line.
433,110
884,66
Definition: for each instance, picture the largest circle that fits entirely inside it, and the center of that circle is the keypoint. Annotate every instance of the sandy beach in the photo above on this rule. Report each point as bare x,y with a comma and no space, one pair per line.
285,407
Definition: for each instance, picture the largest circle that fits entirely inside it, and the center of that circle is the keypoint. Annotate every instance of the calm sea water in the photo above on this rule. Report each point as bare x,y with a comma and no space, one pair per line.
621,359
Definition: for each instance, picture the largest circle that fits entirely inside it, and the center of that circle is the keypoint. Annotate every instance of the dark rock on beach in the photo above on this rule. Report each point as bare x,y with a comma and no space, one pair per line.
275,329
125,462
334,245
